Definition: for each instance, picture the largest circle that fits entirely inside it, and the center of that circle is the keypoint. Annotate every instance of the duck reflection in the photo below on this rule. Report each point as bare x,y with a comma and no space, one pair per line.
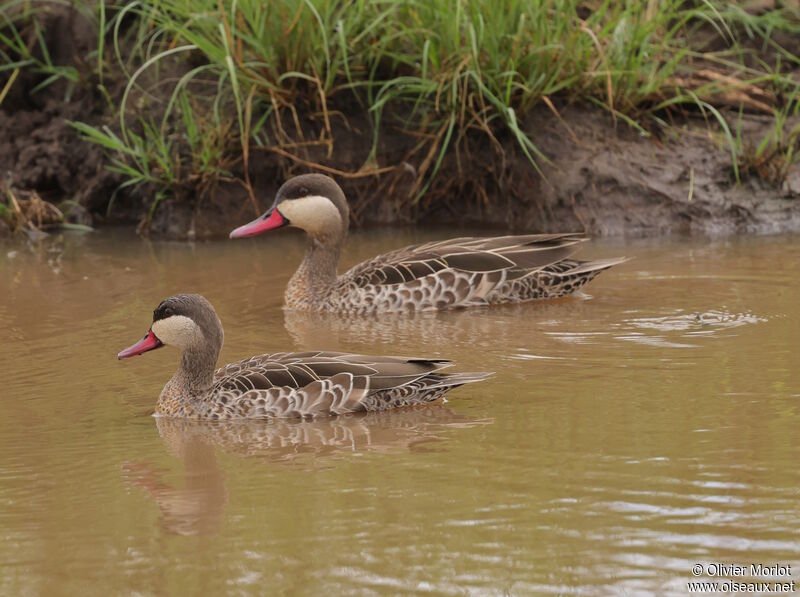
495,325
197,506
194,508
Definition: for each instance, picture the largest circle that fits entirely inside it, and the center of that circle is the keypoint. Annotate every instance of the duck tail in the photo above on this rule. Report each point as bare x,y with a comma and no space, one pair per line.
454,380
587,267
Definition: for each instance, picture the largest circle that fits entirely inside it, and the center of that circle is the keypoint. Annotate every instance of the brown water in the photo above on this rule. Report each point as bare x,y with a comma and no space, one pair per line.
624,438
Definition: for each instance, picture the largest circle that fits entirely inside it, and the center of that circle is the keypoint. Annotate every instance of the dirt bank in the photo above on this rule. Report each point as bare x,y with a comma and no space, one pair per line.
611,181
604,179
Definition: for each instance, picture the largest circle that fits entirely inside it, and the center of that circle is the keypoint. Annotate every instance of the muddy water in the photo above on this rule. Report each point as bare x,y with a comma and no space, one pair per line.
625,437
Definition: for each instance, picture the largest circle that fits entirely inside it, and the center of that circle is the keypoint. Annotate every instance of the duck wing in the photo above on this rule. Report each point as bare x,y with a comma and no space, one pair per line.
455,272
467,254
307,384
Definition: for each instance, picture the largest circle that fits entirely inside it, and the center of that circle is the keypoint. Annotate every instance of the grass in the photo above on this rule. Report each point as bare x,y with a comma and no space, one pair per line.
772,157
27,210
219,79
23,45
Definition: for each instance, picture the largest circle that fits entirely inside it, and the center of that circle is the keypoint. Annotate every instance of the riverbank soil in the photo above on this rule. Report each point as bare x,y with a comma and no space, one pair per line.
602,178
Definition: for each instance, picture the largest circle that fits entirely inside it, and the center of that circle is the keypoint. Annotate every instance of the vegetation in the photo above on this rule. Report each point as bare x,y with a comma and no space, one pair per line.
25,210
204,83
23,46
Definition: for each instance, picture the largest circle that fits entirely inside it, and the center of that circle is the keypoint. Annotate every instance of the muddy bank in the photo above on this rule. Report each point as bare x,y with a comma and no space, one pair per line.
603,178
608,180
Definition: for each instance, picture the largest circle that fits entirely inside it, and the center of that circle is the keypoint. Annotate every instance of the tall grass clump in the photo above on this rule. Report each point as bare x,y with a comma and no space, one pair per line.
207,81
24,45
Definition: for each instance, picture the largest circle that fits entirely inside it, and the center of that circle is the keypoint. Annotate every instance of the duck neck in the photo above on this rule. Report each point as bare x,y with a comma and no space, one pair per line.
316,276
196,371
191,381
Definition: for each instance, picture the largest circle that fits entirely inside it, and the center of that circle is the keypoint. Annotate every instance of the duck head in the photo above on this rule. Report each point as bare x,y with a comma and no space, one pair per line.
313,202
185,321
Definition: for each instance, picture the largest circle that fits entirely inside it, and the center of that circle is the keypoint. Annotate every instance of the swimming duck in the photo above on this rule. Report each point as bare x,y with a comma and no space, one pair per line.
284,384
461,272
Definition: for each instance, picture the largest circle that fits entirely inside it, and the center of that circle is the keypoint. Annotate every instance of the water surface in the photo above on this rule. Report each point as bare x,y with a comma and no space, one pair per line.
626,436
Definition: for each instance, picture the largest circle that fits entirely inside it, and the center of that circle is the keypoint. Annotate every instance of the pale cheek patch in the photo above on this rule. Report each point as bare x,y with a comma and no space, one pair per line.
314,214
178,331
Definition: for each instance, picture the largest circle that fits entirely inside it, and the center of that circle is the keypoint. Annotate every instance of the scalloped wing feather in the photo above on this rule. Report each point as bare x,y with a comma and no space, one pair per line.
465,272
309,384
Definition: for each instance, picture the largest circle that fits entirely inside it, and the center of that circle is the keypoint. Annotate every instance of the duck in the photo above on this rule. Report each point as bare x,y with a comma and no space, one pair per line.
446,274
284,384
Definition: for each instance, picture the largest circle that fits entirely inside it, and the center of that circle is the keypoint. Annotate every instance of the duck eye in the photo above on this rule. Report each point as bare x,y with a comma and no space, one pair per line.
168,312
303,191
